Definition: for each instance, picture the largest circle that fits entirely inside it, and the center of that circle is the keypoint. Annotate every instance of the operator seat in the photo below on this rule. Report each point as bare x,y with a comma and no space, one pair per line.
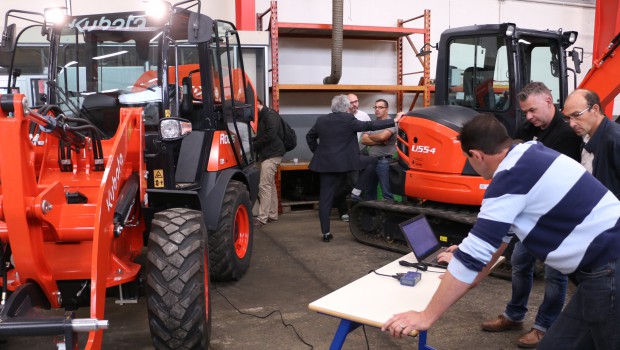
478,87
103,111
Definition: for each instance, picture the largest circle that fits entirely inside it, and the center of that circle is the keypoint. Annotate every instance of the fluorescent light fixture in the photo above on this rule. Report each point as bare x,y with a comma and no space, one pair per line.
108,91
70,64
110,55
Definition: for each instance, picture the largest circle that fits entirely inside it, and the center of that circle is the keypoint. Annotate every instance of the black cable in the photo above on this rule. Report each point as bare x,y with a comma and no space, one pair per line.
366,337
419,266
266,316
397,276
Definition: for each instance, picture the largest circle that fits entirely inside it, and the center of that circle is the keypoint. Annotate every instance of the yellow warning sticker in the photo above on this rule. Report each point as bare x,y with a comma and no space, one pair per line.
158,178
443,238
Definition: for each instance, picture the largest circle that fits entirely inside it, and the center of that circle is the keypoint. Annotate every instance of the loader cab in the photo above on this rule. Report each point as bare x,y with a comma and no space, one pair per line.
484,67
103,63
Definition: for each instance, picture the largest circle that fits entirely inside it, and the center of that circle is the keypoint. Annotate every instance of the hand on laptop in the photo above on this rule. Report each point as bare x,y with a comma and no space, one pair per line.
446,255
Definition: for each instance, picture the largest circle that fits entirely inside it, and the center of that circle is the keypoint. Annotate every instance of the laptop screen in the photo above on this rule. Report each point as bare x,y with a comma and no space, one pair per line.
420,236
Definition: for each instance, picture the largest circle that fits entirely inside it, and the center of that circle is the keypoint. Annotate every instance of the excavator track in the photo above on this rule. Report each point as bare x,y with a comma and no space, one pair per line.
375,223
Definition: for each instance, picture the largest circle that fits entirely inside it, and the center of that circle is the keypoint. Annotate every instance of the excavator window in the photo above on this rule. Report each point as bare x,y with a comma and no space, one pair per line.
479,76
540,61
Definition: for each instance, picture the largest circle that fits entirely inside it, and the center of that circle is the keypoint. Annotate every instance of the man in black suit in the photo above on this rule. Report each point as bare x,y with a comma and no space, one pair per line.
337,153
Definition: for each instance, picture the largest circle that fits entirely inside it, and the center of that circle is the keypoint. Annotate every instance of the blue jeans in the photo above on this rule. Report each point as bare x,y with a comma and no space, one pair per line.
522,279
591,320
382,177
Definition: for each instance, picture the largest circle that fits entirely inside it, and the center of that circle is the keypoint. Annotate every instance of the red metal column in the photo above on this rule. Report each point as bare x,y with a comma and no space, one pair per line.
275,72
427,58
399,70
245,14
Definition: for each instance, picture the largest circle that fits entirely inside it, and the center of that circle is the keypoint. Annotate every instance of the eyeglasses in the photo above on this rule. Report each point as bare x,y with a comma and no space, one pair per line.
352,102
568,118
379,107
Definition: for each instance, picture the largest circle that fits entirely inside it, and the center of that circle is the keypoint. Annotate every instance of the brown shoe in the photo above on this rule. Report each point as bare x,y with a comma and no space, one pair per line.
530,339
501,324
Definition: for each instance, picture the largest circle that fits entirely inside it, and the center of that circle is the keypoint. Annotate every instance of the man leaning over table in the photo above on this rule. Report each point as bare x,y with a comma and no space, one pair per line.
561,214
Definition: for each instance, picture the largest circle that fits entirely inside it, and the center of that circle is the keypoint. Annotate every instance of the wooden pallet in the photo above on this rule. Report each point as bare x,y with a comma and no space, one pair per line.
299,205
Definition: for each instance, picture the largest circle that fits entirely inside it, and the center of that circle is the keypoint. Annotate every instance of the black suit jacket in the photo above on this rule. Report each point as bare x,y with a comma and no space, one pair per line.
333,140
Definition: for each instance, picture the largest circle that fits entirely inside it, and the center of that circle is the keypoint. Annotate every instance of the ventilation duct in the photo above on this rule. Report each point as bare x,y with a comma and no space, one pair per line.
337,14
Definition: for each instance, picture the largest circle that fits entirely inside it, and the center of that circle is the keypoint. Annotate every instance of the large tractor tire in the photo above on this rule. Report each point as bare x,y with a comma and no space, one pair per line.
230,246
177,270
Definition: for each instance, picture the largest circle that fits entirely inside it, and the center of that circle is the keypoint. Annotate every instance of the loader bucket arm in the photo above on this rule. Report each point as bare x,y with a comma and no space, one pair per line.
20,176
103,271
604,76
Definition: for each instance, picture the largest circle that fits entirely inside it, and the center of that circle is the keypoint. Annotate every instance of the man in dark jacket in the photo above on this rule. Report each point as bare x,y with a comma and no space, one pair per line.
333,140
270,149
601,152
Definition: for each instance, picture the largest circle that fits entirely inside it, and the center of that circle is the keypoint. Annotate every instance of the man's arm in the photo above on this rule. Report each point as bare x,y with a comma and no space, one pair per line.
270,132
450,290
311,139
367,141
381,137
485,271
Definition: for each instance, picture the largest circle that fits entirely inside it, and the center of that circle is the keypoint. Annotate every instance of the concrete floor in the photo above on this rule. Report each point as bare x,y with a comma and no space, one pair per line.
292,267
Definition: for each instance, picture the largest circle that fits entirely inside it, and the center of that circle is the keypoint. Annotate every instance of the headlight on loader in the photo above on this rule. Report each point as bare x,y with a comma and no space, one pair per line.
174,128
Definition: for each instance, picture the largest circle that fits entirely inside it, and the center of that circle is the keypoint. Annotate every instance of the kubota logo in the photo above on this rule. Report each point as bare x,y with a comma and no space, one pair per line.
109,202
102,23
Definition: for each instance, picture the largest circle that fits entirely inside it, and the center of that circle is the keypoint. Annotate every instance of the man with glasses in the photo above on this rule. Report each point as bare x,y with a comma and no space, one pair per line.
381,145
543,124
601,152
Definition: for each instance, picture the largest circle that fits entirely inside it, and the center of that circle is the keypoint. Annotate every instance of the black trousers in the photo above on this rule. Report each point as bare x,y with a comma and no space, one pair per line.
333,183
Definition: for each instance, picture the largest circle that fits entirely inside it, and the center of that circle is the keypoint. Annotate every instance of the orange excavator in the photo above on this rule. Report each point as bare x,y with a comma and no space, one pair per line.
479,69
141,147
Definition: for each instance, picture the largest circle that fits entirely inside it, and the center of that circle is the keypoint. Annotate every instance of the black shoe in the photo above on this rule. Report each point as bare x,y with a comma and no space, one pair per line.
327,237
355,198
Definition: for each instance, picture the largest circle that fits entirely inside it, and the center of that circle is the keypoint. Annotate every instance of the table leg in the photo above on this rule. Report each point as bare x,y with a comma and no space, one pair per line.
422,342
344,329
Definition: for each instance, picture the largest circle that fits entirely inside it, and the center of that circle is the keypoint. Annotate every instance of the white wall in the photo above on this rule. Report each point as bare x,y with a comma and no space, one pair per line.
368,62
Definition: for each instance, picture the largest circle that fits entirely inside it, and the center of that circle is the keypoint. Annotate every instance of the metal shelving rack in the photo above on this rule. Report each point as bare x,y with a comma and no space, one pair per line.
396,34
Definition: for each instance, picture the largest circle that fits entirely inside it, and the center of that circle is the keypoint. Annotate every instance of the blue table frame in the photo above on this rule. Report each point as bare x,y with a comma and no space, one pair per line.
347,326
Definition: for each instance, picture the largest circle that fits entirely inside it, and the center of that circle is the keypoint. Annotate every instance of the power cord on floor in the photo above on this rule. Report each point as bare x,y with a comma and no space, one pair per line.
266,316
366,337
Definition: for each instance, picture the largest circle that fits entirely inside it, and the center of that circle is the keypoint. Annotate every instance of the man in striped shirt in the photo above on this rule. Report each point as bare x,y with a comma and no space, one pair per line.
561,214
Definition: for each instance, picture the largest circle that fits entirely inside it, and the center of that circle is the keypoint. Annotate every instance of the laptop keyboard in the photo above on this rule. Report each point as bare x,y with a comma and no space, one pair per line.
432,259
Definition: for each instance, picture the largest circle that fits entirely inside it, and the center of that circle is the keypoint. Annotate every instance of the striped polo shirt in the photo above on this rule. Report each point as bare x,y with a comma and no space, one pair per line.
560,212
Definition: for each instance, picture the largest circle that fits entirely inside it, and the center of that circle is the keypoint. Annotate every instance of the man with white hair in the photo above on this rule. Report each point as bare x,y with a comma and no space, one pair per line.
333,140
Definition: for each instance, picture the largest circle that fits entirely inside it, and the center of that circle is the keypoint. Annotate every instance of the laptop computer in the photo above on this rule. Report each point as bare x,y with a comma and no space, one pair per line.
422,241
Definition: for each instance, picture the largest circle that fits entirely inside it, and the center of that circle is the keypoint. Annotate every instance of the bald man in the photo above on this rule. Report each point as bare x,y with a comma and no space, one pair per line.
601,152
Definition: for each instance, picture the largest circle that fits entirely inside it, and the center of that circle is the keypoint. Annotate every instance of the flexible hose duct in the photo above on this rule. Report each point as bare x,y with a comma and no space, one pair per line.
337,15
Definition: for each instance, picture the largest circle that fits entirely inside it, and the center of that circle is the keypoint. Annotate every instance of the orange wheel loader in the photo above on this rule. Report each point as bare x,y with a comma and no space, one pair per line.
141,145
